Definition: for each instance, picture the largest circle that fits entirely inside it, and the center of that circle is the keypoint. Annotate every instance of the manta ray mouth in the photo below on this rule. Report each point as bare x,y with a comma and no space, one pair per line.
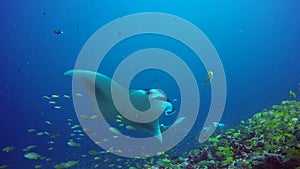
160,98
155,94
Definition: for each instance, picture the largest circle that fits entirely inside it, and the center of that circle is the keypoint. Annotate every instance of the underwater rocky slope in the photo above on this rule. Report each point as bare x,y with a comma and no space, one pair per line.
268,140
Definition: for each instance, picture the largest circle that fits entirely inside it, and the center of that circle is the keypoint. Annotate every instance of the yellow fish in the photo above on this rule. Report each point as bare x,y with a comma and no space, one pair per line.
85,117
33,156
38,166
55,96
293,94
93,152
47,97
73,144
57,107
114,130
4,166
71,164
8,149
51,102
29,147
129,127
31,130
208,78
48,122
66,96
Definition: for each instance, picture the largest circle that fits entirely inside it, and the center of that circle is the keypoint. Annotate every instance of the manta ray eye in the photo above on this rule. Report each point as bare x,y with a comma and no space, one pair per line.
147,91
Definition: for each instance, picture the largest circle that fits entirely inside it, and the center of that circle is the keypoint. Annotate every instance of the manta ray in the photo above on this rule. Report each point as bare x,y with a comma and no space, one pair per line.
140,99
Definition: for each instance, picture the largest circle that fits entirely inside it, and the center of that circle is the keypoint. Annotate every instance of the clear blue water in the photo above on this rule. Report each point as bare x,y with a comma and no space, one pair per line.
257,41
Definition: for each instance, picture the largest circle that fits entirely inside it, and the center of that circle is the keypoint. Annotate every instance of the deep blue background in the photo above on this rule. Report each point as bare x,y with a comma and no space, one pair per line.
257,41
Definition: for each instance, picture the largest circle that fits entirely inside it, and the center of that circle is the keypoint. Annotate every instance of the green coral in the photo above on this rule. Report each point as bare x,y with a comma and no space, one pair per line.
270,137
293,153
165,162
225,151
270,133
228,161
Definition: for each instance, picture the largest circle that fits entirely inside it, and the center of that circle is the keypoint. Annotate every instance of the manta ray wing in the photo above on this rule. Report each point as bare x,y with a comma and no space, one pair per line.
104,100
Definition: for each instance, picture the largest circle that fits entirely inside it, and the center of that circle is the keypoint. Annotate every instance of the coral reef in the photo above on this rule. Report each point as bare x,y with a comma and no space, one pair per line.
268,140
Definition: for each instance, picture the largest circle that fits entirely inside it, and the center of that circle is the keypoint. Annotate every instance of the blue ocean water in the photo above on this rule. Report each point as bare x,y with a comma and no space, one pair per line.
257,41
